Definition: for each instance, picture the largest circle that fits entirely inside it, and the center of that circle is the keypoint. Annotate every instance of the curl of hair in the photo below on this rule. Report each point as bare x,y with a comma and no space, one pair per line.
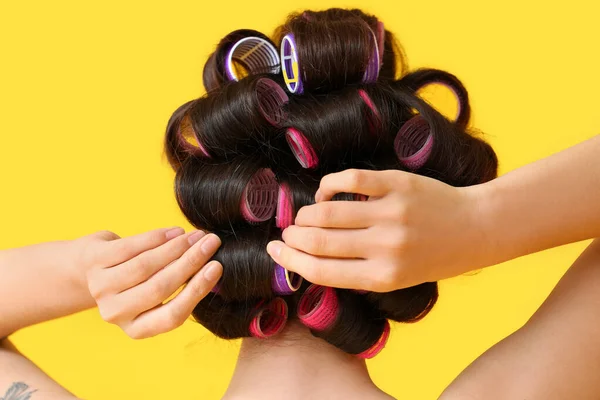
347,124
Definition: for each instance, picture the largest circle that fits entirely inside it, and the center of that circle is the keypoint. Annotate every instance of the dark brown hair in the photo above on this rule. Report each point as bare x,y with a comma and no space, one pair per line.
218,142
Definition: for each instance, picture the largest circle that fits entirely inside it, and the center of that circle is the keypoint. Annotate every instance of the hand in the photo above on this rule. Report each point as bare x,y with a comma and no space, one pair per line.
412,230
131,278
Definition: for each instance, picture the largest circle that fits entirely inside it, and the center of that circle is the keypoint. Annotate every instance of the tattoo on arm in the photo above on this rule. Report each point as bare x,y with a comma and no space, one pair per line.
18,391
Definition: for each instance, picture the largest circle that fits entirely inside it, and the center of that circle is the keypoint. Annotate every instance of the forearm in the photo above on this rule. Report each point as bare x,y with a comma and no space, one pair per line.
21,379
39,283
548,203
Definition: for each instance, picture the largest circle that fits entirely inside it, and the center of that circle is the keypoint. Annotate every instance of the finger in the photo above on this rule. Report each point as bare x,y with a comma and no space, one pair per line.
142,267
369,183
345,274
337,243
164,283
173,314
121,250
338,214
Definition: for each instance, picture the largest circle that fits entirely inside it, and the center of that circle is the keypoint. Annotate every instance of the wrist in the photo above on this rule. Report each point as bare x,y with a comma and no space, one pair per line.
482,210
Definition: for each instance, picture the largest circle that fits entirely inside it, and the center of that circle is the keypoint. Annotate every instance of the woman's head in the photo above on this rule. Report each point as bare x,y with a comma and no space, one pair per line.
321,97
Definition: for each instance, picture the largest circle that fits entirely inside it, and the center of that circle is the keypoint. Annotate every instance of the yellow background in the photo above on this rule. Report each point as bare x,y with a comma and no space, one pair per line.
86,89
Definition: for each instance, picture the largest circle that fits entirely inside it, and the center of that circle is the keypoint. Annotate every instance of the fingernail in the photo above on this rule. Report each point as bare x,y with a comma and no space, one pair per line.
194,237
274,249
211,244
213,271
318,196
173,233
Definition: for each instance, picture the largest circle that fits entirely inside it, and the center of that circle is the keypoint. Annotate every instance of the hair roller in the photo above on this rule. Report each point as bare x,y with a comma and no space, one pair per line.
285,210
343,319
271,100
456,158
259,198
241,118
225,318
373,117
379,345
224,195
285,282
414,143
252,49
318,307
331,133
315,54
270,319
301,148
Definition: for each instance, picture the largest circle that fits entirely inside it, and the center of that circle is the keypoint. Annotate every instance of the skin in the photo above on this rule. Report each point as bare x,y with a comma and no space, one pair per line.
301,366
554,356
385,243
128,278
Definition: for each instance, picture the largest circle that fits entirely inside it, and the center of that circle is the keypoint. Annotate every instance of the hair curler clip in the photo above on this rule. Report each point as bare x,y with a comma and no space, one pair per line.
285,282
270,319
379,345
188,138
259,198
256,54
318,307
414,142
374,64
302,149
290,65
271,99
284,216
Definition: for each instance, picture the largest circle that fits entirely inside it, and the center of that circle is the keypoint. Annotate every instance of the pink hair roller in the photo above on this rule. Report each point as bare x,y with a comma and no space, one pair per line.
271,100
318,307
374,119
284,216
270,319
414,143
259,198
285,282
185,130
379,345
302,149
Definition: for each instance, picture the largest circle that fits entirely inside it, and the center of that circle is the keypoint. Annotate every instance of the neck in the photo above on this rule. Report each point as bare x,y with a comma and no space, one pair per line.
297,365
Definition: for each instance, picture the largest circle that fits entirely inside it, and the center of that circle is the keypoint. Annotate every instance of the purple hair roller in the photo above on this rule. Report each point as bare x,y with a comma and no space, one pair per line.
414,143
271,100
254,53
372,71
285,282
290,65
259,199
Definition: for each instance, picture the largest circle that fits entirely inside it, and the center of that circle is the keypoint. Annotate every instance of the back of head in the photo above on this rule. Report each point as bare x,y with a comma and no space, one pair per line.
277,118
